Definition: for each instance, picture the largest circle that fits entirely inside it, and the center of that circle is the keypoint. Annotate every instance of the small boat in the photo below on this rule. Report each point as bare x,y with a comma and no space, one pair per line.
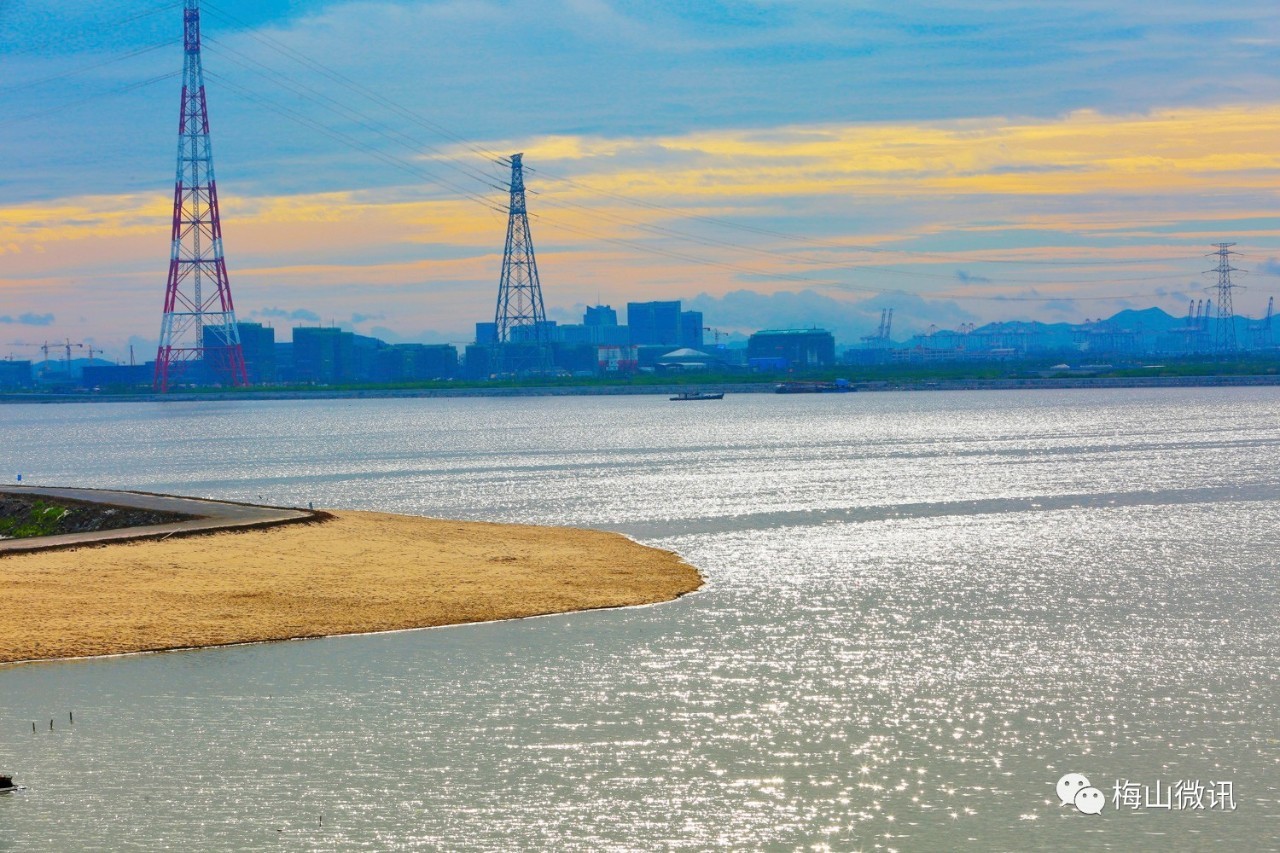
6,784
685,396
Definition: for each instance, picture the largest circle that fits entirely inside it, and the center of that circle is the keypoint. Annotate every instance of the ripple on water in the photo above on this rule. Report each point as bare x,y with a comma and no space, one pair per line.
922,610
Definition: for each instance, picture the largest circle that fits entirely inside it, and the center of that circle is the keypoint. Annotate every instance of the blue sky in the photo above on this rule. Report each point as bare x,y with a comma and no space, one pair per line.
978,159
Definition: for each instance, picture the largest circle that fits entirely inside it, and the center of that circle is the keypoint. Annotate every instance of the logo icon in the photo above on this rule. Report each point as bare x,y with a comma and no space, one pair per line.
1074,790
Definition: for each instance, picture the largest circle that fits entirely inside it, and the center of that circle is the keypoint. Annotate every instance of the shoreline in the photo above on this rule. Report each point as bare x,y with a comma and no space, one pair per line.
348,573
623,390
442,627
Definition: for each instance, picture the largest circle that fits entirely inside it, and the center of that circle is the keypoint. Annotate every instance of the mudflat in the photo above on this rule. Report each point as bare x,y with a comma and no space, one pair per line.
352,572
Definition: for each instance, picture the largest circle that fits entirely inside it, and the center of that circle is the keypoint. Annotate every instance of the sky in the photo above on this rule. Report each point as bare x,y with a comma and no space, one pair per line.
802,162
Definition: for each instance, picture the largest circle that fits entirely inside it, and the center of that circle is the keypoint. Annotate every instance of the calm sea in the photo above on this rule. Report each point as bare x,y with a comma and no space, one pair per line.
922,610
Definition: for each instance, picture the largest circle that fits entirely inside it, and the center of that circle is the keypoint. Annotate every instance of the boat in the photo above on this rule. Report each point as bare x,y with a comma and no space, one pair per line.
685,396
6,784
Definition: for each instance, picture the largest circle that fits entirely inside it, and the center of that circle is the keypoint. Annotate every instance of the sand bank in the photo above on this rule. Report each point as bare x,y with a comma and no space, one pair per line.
355,572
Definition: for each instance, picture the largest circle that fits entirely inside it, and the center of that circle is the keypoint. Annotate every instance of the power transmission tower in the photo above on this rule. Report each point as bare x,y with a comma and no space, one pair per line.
1225,339
1262,331
522,344
199,324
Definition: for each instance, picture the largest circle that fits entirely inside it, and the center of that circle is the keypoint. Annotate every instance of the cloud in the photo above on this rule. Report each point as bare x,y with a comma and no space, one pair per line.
424,336
356,319
953,210
28,319
747,311
1271,266
614,68
300,314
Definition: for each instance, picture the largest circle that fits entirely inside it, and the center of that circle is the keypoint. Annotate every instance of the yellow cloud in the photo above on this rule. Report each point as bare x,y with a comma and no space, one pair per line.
1141,178
1081,153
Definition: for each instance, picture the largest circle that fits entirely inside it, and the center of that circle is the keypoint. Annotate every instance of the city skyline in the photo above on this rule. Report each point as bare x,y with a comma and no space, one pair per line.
1104,152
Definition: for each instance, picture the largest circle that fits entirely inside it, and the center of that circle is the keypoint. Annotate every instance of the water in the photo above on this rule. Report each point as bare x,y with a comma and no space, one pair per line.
921,611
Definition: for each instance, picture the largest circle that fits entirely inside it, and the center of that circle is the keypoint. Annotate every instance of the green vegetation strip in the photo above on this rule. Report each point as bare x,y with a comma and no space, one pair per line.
41,519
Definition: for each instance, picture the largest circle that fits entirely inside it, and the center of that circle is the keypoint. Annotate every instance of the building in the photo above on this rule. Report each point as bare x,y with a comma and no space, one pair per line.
544,332
691,329
800,348
654,323
486,334
119,377
478,361
616,359
416,363
610,336
284,362
580,358
600,323
323,355
258,342
686,360
573,334
600,315
365,351
16,374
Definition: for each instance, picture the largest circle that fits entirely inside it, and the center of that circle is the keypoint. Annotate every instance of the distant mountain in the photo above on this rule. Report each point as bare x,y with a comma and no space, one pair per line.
58,367
1150,319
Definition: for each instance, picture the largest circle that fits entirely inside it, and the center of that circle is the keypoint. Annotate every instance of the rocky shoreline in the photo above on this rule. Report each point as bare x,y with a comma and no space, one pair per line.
77,516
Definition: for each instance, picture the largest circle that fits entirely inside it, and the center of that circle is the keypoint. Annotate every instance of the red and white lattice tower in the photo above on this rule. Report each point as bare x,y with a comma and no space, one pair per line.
199,325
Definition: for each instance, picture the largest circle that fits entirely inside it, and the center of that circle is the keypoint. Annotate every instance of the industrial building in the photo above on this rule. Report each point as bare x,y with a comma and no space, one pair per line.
119,377
16,375
791,348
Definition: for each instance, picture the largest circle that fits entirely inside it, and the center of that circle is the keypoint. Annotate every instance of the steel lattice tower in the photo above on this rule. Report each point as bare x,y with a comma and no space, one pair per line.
199,322
1225,338
522,344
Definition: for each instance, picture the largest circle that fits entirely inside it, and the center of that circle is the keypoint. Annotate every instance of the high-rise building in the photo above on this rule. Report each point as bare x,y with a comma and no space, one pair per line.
654,323
691,329
323,355
259,345
477,362
600,315
416,363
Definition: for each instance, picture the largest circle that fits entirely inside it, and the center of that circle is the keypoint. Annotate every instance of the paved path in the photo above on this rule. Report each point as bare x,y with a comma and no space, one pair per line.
210,515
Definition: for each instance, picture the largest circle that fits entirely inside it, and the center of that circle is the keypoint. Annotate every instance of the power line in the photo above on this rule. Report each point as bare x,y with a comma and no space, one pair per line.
360,89
19,87
321,99
389,159
377,127
120,90
488,154
630,244
310,94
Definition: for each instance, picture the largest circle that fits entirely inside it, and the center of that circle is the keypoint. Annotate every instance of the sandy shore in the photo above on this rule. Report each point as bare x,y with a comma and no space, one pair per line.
355,573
